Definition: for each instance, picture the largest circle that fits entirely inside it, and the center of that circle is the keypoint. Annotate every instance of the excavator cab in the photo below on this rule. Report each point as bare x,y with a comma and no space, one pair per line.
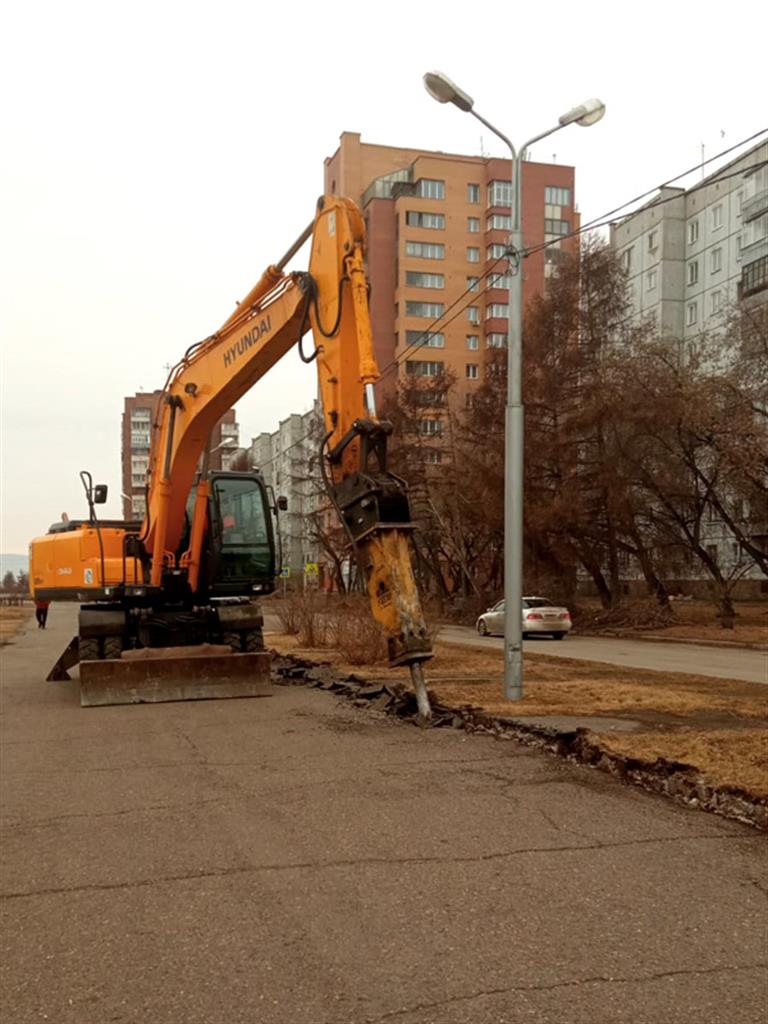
239,553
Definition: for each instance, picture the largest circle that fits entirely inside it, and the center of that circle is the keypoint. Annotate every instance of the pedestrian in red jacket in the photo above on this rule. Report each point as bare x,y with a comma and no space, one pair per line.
41,613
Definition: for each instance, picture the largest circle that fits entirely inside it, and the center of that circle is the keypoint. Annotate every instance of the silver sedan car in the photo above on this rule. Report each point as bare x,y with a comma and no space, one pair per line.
540,616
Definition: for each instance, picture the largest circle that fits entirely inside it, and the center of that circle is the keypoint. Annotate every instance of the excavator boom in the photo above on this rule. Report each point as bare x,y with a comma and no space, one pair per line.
331,299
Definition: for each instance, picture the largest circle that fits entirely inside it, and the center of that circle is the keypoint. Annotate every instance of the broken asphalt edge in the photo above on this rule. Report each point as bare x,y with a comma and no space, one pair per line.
675,780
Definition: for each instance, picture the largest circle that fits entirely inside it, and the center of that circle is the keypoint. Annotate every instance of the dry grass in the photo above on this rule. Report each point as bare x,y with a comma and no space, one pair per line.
727,757
12,619
718,726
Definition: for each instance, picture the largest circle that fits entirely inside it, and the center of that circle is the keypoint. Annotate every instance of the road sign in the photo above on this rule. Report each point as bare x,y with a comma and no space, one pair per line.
312,569
285,572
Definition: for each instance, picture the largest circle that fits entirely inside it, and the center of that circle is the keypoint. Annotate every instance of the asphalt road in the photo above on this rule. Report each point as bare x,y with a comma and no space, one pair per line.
295,860
720,662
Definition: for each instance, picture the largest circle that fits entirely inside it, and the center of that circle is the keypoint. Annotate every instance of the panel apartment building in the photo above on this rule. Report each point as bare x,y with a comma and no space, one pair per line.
690,255
288,460
138,417
437,227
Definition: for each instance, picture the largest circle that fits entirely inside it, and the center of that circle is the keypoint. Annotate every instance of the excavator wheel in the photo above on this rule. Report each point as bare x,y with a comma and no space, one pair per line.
113,646
254,639
234,640
88,648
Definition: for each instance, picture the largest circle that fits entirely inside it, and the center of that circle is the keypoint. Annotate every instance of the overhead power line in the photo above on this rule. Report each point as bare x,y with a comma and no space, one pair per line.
601,221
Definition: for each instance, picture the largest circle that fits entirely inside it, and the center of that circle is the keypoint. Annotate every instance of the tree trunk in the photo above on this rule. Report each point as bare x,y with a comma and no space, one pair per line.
594,570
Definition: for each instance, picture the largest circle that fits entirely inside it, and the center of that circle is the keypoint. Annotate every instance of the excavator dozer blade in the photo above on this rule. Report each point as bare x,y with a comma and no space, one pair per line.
156,675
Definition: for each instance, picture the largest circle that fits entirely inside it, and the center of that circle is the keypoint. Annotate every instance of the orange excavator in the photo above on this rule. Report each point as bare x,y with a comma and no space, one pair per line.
169,606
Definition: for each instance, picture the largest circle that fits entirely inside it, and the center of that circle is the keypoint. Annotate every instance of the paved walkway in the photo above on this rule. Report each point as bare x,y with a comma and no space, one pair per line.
292,860
719,662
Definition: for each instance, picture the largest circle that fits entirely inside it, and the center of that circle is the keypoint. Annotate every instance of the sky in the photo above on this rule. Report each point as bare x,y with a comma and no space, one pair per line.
158,156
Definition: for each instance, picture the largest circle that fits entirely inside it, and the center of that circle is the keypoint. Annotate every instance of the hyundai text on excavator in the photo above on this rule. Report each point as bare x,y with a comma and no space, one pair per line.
168,606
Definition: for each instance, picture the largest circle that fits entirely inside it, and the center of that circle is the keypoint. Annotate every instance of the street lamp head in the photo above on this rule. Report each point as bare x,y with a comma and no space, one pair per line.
588,113
442,89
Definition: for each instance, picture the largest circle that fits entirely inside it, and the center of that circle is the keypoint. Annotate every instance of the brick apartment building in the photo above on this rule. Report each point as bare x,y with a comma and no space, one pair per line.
437,224
138,416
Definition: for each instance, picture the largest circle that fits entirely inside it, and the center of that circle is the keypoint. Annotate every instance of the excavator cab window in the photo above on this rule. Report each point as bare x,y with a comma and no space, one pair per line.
246,545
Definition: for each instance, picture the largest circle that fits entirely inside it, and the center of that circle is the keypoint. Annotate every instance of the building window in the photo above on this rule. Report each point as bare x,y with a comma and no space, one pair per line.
717,260
473,254
716,302
473,225
757,229
473,193
429,339
653,241
433,455
473,283
426,250
430,427
495,251
419,219
496,309
138,505
473,342
428,398
430,188
693,313
469,400
499,281
693,232
693,272
498,222
717,216
626,257
739,201
429,309
650,282
500,193
473,371
140,417
139,439
420,279
423,368
473,314
496,340
557,196
557,227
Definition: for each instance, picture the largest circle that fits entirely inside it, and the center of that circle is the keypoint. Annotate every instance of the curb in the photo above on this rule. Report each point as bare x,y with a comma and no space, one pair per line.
652,638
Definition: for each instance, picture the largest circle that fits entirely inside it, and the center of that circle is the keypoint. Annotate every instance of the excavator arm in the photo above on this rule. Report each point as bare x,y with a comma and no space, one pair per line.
372,503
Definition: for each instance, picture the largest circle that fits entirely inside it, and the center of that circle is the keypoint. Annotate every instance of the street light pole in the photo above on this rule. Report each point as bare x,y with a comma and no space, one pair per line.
441,88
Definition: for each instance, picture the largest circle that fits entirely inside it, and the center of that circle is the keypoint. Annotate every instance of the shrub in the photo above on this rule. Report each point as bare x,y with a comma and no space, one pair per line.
355,633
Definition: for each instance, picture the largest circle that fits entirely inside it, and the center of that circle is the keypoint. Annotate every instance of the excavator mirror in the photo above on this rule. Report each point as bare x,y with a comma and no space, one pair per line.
99,494
282,503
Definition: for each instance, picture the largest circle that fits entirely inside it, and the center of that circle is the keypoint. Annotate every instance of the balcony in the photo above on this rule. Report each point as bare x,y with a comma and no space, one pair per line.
755,205
390,186
754,278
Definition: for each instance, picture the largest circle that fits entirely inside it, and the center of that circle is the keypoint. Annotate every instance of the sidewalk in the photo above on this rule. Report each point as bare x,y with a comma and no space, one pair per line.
293,860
